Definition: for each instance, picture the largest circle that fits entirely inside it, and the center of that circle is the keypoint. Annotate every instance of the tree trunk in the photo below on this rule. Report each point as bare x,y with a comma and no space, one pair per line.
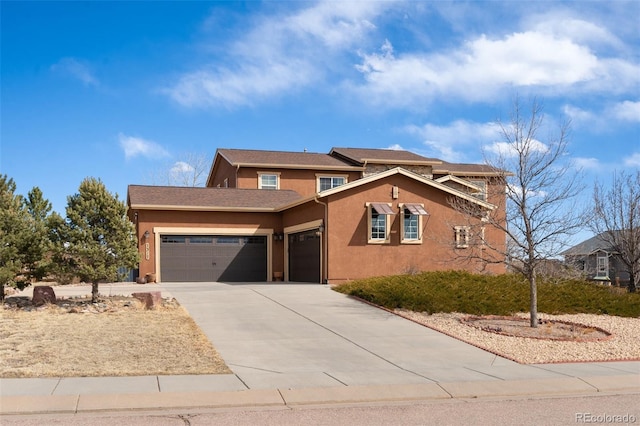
632,283
533,305
2,293
94,292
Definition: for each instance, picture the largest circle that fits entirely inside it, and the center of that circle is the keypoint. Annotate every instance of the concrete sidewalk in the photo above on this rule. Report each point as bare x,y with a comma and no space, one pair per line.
306,344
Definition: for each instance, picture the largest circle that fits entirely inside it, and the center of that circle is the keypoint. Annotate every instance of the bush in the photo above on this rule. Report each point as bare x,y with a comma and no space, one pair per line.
458,291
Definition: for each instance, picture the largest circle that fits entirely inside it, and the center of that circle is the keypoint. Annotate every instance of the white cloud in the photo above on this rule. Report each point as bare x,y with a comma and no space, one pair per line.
627,111
484,67
181,167
396,147
587,163
578,30
579,115
277,56
604,119
451,142
135,147
633,160
76,69
512,150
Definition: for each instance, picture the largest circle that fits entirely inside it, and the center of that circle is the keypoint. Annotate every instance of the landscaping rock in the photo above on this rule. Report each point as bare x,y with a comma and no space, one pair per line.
150,299
42,295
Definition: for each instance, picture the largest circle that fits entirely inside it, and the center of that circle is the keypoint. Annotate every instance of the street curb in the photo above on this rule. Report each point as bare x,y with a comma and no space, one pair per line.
72,404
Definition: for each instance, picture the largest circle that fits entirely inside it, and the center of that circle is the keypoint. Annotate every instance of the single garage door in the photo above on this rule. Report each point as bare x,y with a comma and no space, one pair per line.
213,258
304,257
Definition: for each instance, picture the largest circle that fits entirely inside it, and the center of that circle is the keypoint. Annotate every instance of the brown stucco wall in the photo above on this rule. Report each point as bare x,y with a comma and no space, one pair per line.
301,181
345,241
223,170
150,219
350,255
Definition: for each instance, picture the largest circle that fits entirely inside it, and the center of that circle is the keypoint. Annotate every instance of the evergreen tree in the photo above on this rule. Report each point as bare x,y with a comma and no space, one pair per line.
13,232
36,249
99,236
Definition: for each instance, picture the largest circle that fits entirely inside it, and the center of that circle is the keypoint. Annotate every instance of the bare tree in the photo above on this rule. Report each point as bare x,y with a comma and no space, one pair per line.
191,169
616,219
537,187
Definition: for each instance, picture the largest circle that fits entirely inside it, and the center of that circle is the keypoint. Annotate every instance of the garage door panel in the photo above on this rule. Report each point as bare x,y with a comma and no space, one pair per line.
213,258
304,257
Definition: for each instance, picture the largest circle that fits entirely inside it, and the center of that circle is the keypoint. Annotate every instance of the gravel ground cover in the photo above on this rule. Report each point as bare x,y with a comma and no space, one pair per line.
622,344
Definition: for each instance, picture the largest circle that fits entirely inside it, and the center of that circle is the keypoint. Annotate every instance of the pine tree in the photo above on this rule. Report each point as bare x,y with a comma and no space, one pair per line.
13,233
100,237
36,249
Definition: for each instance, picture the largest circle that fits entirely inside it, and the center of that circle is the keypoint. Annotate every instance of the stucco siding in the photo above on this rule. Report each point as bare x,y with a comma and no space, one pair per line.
190,222
351,256
223,170
304,182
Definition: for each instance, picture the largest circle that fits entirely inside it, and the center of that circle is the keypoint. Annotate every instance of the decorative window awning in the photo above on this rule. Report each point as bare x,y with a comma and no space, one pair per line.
382,208
416,209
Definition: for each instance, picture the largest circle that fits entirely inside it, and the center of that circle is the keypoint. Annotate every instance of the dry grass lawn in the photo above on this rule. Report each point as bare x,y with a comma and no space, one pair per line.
116,337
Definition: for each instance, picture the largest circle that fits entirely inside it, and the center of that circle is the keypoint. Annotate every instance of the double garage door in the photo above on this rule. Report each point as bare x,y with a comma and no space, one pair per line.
213,258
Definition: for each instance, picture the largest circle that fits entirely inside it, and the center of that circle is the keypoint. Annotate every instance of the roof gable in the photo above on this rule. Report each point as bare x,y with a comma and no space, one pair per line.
458,180
392,172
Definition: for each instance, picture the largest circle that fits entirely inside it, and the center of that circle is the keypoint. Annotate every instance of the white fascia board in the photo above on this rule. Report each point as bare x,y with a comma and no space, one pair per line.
456,179
387,173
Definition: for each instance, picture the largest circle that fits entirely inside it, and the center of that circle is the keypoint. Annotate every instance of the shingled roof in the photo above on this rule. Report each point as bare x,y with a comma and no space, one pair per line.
283,159
208,199
362,156
591,245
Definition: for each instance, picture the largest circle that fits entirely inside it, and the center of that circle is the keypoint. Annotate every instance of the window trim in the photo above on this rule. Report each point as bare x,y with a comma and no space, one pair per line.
276,174
462,233
330,176
404,207
370,209
602,272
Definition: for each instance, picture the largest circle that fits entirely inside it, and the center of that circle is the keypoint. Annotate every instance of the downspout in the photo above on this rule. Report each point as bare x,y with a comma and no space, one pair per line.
237,169
325,255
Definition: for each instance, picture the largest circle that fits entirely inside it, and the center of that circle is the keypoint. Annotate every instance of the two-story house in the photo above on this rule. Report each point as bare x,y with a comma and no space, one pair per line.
311,217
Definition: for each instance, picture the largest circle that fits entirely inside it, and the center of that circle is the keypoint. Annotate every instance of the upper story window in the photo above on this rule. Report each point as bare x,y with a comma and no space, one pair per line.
329,182
463,235
412,223
268,180
379,221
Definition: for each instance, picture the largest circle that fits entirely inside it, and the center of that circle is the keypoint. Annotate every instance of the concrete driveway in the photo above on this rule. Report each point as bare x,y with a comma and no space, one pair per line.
300,335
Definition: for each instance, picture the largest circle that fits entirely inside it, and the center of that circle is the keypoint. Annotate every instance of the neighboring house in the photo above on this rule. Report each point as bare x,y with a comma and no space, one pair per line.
309,217
597,260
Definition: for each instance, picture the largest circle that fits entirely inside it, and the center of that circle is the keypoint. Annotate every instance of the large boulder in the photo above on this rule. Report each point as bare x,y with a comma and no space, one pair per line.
151,299
43,294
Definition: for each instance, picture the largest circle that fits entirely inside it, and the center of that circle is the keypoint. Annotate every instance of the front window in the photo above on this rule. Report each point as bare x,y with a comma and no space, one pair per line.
412,222
267,181
378,226
329,182
603,266
379,221
410,225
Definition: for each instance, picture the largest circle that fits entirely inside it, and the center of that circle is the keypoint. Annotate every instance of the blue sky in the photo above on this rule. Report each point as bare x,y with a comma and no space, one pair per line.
121,90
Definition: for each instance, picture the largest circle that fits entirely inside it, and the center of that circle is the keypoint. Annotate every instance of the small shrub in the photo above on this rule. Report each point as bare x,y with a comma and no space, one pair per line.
458,291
